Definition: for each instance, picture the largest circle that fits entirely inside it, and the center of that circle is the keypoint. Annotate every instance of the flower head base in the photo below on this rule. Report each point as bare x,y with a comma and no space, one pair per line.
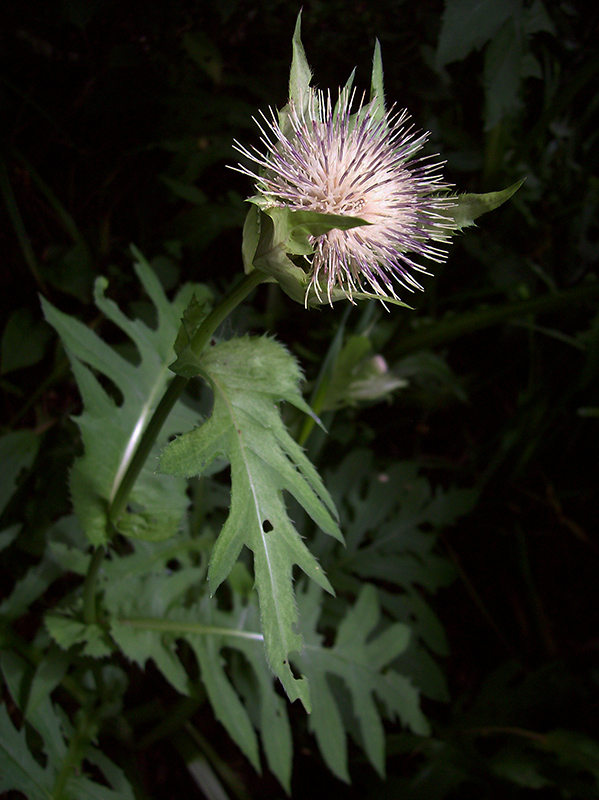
346,192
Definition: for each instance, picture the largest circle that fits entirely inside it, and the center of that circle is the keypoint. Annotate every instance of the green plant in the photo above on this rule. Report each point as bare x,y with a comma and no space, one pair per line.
199,568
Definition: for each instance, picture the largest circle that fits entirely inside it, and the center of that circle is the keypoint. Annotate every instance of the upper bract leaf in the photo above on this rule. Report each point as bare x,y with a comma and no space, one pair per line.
467,207
250,376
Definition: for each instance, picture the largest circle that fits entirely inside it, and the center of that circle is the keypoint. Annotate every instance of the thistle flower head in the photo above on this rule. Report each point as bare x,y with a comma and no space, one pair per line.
354,209
333,161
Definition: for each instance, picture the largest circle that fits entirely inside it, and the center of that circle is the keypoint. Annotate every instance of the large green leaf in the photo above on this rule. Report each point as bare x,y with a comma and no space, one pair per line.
111,430
151,608
249,377
361,660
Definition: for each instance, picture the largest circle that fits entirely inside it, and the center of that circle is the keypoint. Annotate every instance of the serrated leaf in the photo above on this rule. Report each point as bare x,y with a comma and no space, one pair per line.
20,771
151,608
18,768
383,514
68,632
141,585
249,377
110,430
361,660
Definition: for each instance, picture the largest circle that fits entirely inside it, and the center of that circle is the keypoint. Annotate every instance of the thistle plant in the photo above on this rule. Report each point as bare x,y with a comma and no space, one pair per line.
346,207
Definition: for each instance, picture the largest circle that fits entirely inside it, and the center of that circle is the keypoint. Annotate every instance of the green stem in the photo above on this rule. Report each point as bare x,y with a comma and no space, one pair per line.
445,331
163,409
89,588
176,388
84,733
173,393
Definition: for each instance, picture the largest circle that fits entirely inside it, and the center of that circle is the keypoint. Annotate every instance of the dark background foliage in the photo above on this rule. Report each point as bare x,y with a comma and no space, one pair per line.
118,120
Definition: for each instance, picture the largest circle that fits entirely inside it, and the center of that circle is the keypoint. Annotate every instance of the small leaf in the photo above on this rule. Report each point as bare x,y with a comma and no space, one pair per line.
467,207
300,75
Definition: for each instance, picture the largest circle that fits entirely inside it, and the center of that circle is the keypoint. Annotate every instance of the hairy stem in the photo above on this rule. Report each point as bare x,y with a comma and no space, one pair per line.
176,388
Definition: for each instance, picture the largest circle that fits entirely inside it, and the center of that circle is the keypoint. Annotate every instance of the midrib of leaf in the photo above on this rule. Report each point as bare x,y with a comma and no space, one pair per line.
176,627
130,447
238,427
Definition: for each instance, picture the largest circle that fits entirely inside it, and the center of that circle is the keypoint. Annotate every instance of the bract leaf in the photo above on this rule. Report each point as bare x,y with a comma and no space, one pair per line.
300,75
467,207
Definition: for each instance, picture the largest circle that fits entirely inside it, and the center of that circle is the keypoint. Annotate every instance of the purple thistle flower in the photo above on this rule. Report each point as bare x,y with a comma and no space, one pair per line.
328,160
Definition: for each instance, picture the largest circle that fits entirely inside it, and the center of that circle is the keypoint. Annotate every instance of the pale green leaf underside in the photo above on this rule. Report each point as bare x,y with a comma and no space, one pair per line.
111,430
250,376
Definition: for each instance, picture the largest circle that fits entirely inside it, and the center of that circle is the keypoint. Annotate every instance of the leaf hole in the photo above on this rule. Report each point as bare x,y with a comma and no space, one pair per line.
267,526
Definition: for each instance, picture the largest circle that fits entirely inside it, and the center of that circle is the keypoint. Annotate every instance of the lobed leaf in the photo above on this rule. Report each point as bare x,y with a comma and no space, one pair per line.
250,377
19,769
362,661
112,430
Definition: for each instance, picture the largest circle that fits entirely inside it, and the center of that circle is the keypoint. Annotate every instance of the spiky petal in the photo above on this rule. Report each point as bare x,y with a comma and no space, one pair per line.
330,160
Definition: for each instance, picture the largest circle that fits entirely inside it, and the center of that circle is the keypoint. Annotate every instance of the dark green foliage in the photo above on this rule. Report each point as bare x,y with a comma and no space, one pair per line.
457,657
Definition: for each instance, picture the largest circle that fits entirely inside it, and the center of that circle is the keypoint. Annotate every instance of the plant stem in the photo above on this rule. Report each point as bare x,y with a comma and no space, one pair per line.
163,409
84,733
172,394
89,588
448,329
176,388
